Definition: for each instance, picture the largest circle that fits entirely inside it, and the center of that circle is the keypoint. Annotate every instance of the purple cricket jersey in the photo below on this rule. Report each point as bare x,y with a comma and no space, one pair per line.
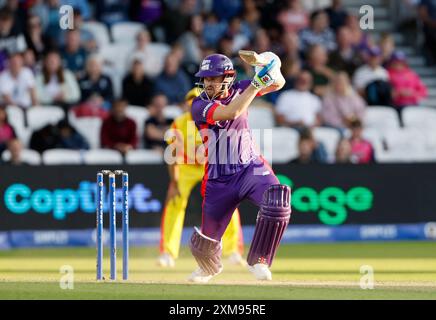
230,145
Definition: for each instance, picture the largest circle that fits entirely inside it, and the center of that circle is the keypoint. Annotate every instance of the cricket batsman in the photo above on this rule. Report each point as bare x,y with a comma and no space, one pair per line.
184,176
234,170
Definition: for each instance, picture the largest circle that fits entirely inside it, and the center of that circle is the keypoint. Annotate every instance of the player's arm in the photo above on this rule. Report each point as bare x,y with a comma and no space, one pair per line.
239,105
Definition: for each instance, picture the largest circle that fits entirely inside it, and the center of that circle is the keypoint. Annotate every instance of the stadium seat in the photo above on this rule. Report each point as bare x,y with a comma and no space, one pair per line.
16,119
376,138
99,31
140,115
172,111
419,117
115,57
402,145
61,156
40,116
283,143
144,157
261,118
29,156
125,32
89,128
381,118
102,156
329,138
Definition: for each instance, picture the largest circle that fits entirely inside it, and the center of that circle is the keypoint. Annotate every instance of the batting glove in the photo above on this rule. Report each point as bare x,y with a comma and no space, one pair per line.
264,78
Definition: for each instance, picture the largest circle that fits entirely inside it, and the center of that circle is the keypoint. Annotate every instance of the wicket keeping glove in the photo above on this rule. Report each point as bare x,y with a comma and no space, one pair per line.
264,77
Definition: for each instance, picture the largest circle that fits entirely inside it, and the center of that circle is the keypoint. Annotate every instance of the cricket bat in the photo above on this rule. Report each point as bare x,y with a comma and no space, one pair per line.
252,58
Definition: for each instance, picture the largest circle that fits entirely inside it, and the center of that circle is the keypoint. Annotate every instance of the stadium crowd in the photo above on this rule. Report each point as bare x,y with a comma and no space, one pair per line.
334,70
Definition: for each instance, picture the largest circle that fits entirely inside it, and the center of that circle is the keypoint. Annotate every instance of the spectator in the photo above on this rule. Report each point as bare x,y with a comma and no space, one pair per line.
361,41
152,58
318,33
73,54
137,89
213,30
191,41
317,66
293,17
48,13
69,138
407,87
371,80
7,132
111,12
156,125
362,151
290,47
87,39
251,15
262,42
309,150
11,40
15,148
35,38
240,33
299,108
56,85
19,13
342,104
345,57
290,69
337,14
343,151
175,21
173,82
17,84
44,139
29,61
94,84
118,131
387,47
427,14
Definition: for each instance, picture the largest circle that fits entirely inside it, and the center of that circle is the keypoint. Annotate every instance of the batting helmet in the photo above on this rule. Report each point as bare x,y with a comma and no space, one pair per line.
215,65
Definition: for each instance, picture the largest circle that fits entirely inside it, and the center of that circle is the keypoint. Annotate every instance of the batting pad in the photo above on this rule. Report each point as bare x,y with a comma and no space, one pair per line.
207,252
272,220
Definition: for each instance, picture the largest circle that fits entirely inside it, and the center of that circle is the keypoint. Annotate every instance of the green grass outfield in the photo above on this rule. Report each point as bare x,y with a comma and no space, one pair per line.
402,270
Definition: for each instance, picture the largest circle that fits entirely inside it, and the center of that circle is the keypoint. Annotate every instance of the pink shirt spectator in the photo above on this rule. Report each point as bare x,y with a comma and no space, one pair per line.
408,82
6,133
361,151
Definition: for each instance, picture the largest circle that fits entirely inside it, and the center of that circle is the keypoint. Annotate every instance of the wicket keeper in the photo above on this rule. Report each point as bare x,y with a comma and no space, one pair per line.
234,170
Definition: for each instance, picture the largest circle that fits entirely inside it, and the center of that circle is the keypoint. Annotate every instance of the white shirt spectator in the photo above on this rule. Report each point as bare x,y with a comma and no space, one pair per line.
365,75
18,88
46,92
297,106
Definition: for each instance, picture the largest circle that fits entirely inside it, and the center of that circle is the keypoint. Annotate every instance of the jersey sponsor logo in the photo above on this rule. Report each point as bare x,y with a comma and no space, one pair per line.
206,109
